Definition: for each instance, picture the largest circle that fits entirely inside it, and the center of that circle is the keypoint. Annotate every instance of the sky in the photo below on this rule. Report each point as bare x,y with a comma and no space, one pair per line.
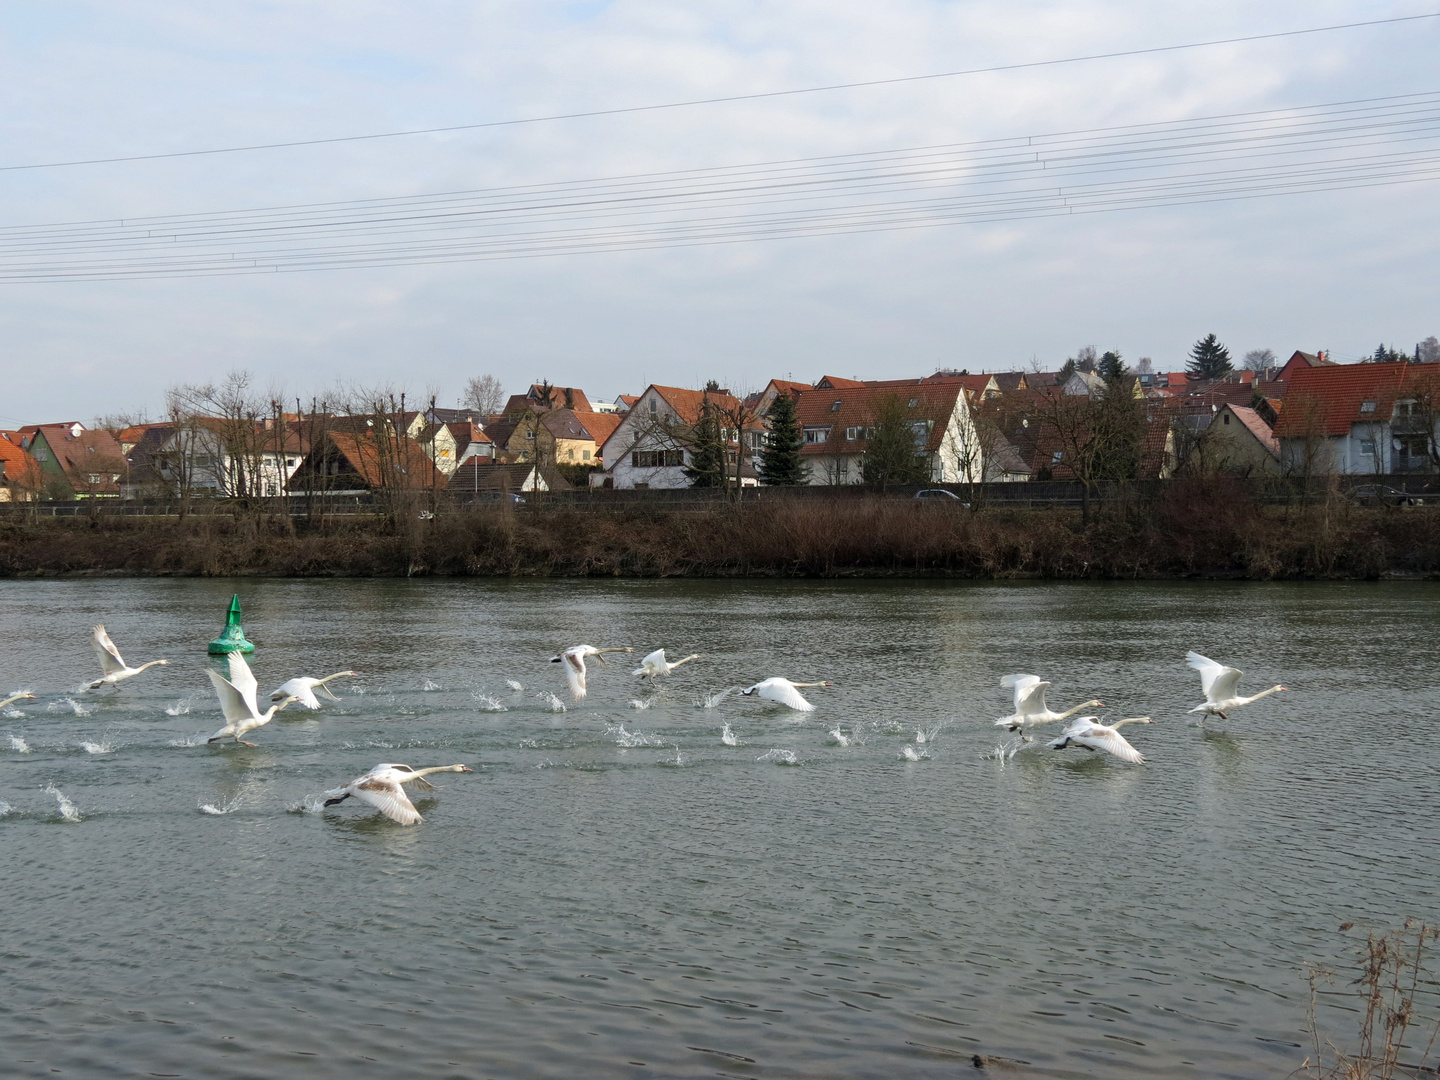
1339,270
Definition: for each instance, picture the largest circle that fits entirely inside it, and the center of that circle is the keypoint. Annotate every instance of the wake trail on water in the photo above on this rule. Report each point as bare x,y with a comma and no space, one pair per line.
67,809
223,808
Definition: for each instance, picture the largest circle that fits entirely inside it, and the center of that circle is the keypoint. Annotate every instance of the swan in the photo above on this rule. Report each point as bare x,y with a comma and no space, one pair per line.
784,692
1219,683
303,689
574,660
654,664
383,788
114,667
14,698
1089,732
1030,707
237,701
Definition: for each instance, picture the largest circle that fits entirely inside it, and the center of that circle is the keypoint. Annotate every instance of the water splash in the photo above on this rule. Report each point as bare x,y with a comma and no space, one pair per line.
71,704
550,701
486,703
198,739
779,757
181,707
728,737
5,808
1003,752
98,747
514,685
530,744
838,737
641,703
929,734
310,804
223,808
10,712
431,684
65,806
709,701
909,753
630,739
19,745
678,761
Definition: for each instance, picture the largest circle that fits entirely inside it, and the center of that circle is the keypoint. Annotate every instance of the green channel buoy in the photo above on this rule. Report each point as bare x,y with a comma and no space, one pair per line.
232,639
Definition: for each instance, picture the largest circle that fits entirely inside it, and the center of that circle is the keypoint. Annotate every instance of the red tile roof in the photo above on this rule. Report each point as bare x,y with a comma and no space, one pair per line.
1257,427
363,455
20,469
934,401
1329,398
686,403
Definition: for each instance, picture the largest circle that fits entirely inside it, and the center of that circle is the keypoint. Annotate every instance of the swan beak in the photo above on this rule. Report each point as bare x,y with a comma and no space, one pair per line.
1284,688
555,659
466,768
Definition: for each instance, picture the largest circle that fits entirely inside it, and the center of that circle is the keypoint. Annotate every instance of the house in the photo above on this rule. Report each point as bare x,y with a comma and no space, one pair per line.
357,463
1300,360
1007,382
76,462
837,423
1234,439
1358,419
651,445
232,457
541,397
471,442
561,436
21,478
478,478
144,477
761,401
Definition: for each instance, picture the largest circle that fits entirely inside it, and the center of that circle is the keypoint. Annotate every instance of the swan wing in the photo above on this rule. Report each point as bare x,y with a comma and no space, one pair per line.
387,796
106,653
1217,680
653,663
575,673
243,680
1031,699
232,701
1100,737
783,691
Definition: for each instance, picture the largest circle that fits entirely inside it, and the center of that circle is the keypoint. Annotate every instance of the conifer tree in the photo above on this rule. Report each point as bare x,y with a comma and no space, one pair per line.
707,452
1111,368
1209,359
780,462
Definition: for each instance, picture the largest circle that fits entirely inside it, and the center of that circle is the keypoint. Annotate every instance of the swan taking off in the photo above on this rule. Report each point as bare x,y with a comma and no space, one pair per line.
383,788
115,669
1089,732
1030,707
237,701
303,689
14,698
1219,683
654,664
574,660
784,692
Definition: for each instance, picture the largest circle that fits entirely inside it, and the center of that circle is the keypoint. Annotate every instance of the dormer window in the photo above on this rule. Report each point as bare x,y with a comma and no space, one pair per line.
836,406
914,401
1367,406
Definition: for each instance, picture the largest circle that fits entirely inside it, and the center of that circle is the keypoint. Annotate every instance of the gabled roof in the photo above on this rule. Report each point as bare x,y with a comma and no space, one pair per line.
362,454
845,407
1255,424
20,468
477,474
686,403
1010,381
1329,398
600,425
835,382
627,400
465,432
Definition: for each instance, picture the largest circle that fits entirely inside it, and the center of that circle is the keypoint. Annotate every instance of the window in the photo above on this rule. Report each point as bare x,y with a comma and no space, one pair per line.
94,477
1367,406
42,454
859,432
815,435
652,406
836,406
1055,457
914,401
656,459
842,471
1404,409
585,455
1367,446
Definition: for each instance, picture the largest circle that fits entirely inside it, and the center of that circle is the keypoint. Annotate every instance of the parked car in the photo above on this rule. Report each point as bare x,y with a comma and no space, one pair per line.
1385,495
941,494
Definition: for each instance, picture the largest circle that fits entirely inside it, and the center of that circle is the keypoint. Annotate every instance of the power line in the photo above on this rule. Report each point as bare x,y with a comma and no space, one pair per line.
728,99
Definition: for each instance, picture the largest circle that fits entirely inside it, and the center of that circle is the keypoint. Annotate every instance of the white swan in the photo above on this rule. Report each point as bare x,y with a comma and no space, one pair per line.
1030,708
382,787
115,669
654,664
15,698
302,689
574,660
784,692
1089,732
1220,683
237,701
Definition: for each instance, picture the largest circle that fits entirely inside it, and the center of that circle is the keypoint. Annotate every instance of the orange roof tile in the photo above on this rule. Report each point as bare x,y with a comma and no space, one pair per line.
1327,399
847,407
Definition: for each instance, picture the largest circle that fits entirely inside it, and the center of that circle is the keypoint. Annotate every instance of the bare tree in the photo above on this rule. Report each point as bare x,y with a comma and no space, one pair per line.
1428,351
485,395
1259,360
1099,434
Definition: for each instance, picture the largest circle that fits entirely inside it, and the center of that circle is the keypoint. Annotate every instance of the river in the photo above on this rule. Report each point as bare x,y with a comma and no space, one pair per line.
614,892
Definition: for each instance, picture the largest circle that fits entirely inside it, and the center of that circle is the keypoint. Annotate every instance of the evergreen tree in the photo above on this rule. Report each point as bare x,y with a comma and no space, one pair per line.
895,454
1209,359
1385,355
707,452
1111,368
780,462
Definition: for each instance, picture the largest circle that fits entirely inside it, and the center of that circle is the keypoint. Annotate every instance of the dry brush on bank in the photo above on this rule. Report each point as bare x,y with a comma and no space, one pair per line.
1204,528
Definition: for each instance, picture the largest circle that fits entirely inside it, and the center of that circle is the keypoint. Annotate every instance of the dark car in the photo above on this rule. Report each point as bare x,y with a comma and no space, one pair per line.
941,495
1385,495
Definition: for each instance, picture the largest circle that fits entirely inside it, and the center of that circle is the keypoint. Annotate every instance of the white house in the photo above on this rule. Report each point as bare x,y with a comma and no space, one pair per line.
650,447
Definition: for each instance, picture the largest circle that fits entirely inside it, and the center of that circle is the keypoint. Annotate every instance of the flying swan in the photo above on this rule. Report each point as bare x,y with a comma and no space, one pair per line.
383,788
237,701
303,689
115,669
784,692
574,660
1219,683
1089,732
1030,708
654,664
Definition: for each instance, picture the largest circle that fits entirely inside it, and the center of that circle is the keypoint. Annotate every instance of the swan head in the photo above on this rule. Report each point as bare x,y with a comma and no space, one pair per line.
461,768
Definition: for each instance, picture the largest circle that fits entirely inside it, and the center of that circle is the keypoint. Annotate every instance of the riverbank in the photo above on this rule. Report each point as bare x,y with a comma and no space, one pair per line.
1190,530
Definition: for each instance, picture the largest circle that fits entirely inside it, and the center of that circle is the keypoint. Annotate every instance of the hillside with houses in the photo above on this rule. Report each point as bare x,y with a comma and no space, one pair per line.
1094,420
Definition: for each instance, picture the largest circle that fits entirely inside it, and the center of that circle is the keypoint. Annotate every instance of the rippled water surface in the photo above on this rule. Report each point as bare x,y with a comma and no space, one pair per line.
616,892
